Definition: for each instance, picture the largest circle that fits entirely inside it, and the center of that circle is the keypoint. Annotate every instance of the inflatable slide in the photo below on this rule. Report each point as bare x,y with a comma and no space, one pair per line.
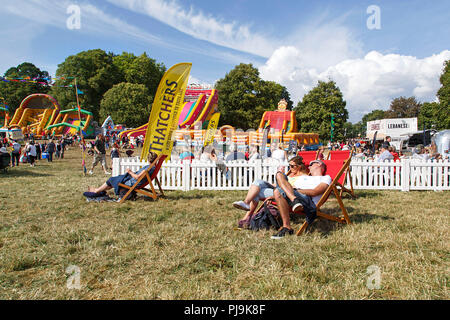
3,117
199,106
35,113
68,122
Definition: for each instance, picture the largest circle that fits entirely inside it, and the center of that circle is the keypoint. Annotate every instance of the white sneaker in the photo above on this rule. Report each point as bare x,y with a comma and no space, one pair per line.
241,205
106,172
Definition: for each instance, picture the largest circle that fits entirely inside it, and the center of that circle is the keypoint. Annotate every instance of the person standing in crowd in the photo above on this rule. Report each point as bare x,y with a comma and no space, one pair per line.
15,154
279,153
254,155
50,150
31,153
63,147
38,151
385,154
387,142
99,154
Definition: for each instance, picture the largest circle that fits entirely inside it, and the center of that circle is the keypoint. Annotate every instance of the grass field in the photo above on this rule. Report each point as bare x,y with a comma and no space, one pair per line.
185,246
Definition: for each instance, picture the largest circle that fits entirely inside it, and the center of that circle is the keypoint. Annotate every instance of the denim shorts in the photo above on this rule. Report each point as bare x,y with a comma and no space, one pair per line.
265,189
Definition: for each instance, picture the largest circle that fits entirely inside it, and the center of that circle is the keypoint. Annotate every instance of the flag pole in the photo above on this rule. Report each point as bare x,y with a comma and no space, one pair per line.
83,163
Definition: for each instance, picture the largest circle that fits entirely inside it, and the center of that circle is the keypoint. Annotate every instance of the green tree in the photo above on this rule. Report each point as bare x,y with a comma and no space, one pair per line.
14,92
95,74
403,107
244,97
314,111
127,103
444,91
140,70
434,116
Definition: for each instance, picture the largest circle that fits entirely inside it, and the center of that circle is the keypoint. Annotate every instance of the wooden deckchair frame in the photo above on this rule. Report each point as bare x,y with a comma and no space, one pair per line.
348,176
157,163
333,187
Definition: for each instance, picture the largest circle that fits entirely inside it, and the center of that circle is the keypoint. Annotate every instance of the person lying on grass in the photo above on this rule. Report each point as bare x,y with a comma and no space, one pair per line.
129,178
260,190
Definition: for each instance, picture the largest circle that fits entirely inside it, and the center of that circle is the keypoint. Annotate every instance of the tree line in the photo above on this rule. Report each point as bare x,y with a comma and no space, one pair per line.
123,87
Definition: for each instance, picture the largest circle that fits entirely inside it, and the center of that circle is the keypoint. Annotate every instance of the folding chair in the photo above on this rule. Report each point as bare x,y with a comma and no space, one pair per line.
145,180
333,187
308,156
336,176
340,156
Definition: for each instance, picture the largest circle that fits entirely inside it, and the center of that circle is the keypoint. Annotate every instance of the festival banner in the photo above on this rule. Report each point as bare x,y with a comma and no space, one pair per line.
211,129
166,110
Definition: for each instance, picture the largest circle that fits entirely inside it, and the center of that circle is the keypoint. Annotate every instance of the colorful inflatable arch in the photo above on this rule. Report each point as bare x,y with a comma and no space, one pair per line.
35,113
68,122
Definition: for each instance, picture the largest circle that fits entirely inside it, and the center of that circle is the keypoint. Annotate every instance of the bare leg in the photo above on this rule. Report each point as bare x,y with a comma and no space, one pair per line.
284,208
253,206
286,186
251,194
103,187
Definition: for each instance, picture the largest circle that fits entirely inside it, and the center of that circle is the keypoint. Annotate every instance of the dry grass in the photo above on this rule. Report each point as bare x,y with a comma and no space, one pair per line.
185,246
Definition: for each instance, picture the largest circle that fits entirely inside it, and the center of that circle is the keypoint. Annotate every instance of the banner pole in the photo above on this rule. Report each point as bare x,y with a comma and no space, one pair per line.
83,156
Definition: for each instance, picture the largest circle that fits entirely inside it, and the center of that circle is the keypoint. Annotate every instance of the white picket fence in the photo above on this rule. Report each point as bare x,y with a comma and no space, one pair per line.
404,175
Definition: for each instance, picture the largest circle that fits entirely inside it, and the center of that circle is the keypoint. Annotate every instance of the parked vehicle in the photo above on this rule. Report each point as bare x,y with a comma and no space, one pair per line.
417,138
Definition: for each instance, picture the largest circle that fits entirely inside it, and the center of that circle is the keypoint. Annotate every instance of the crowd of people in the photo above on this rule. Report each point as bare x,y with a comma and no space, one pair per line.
33,150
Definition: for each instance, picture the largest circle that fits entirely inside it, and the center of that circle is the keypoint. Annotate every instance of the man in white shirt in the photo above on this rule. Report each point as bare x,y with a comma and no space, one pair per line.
15,154
303,196
385,154
279,153
31,149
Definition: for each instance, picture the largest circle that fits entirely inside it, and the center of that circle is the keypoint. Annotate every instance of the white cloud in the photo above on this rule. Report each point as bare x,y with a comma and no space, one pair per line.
367,83
93,20
203,26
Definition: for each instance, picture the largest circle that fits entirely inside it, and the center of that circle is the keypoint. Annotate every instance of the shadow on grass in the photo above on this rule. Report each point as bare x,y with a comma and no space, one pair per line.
365,194
191,195
16,172
325,227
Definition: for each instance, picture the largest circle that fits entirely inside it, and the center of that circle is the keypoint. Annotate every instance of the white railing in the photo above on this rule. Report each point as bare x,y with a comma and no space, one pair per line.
404,175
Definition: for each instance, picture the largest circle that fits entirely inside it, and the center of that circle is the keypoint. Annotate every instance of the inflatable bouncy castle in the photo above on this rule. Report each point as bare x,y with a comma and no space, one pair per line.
35,113
68,121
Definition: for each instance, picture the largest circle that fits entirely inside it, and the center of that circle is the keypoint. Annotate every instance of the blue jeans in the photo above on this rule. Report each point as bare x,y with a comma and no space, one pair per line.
309,207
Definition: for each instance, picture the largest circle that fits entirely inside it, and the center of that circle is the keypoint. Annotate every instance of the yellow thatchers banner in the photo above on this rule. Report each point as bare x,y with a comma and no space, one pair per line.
212,128
166,110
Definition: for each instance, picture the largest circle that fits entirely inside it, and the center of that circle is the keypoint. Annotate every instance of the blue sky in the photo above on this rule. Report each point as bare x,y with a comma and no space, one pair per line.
295,43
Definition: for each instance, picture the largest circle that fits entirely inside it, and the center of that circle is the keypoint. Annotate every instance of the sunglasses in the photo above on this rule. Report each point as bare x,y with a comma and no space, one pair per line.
311,164
293,165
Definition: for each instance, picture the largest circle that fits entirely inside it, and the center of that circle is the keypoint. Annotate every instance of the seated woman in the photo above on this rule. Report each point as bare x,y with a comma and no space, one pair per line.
129,178
260,190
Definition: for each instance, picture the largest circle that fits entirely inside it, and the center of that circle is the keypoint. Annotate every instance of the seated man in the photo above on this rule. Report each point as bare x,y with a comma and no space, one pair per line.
302,196
129,178
385,154
260,189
